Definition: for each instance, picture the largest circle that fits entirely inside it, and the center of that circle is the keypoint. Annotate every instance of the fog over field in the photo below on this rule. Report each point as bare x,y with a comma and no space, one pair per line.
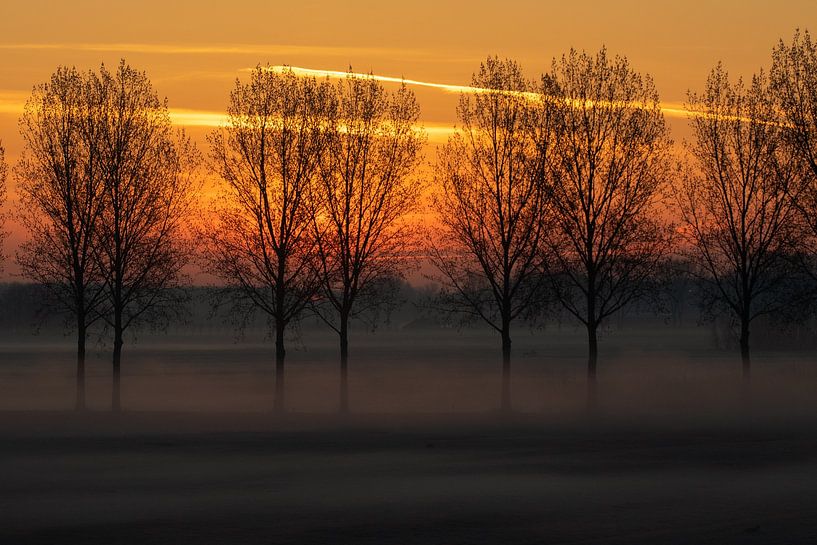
657,368
678,450
666,372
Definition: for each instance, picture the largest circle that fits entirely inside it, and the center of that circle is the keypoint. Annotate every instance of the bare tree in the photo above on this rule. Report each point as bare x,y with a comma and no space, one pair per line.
610,163
149,184
739,220
361,201
61,198
268,156
794,85
490,203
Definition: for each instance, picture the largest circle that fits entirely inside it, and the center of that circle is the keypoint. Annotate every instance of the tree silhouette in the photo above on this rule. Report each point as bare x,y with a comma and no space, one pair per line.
490,204
149,185
361,202
610,163
740,223
61,191
794,84
261,243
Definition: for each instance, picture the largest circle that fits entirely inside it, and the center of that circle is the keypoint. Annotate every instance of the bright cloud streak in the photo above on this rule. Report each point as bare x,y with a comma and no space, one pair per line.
436,132
11,102
197,118
669,109
672,110
389,79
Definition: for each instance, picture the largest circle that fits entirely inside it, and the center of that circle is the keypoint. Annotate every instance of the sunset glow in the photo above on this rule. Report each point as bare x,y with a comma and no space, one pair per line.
434,48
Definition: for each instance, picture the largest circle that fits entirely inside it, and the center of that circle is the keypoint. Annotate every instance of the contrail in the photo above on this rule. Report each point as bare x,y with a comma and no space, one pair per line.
673,110
669,109
297,70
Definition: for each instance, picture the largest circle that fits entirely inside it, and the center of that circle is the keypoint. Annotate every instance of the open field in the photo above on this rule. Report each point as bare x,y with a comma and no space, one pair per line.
680,450
240,478
653,372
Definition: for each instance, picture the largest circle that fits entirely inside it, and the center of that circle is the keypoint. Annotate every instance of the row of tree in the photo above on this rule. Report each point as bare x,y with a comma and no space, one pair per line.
562,191
566,190
317,186
549,190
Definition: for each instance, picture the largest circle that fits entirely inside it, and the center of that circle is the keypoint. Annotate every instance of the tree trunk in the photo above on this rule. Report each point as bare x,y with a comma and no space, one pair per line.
80,401
592,361
116,401
744,348
280,353
505,403
344,364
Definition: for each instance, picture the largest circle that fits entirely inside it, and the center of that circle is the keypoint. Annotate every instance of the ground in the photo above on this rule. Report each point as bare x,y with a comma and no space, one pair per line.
241,478
680,450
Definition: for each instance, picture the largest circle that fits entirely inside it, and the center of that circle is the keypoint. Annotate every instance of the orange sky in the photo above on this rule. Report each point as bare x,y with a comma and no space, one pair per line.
194,50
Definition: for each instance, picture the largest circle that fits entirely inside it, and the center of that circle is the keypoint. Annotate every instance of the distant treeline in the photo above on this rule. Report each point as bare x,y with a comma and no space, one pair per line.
557,198
26,316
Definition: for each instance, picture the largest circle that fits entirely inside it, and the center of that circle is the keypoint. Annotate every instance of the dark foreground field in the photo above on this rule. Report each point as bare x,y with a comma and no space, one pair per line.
680,451
243,478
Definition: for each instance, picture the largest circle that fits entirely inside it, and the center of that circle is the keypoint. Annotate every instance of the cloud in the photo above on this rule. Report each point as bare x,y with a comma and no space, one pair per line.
12,102
671,110
197,118
220,49
389,79
436,131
